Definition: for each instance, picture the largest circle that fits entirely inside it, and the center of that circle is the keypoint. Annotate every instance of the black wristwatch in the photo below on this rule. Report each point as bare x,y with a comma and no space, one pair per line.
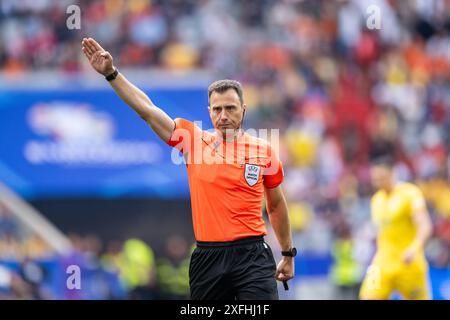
113,75
290,253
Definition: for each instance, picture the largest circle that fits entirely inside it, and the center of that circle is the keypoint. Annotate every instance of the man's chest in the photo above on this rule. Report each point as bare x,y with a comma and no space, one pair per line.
388,210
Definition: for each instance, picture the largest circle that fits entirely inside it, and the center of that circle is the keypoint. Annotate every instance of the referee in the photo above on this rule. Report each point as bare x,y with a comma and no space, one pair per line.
229,172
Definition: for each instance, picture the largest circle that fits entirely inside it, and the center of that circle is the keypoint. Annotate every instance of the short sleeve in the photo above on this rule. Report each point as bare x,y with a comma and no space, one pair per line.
183,135
416,197
273,174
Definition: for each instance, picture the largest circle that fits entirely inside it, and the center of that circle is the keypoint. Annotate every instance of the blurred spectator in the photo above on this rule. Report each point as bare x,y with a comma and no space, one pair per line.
173,269
346,272
134,262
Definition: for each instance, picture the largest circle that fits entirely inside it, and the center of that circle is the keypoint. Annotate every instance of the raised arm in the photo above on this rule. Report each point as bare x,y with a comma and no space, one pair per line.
102,62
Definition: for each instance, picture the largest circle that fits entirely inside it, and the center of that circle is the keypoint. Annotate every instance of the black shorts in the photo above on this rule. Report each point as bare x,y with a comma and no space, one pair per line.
238,270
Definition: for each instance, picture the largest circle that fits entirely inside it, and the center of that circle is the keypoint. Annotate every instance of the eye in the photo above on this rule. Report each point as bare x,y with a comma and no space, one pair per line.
217,109
230,108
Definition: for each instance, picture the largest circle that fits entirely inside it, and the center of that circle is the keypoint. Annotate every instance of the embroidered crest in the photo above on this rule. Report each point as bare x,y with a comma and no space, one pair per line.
251,174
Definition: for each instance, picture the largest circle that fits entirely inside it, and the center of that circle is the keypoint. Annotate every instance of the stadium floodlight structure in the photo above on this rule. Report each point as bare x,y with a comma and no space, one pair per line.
34,221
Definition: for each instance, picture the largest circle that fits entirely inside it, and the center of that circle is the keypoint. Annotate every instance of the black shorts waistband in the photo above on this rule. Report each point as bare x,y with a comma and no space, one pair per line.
238,242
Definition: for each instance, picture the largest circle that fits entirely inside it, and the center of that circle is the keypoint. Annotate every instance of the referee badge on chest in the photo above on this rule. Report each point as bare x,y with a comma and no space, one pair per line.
251,174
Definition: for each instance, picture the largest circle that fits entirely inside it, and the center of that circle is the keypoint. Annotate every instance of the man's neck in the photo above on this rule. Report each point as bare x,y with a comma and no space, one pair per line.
388,188
230,136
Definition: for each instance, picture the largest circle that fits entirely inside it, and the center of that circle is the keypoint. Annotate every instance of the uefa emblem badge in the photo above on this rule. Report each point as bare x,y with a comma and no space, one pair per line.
251,174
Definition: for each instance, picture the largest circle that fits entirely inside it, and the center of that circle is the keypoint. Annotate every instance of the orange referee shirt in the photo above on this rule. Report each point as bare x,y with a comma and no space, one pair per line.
226,181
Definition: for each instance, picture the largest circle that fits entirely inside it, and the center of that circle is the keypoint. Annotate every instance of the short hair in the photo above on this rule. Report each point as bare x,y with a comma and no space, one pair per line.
221,86
383,153
383,160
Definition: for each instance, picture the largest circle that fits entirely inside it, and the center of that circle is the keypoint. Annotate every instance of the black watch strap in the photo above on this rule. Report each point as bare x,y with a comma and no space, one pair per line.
290,253
113,75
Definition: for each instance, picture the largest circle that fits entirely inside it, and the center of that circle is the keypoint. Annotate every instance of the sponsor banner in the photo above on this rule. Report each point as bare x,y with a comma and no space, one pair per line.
89,143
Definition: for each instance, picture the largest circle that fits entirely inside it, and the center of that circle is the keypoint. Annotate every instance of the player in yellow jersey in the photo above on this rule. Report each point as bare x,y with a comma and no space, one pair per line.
400,214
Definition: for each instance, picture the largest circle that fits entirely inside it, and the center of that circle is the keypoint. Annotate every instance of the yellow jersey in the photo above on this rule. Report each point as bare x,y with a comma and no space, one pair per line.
393,215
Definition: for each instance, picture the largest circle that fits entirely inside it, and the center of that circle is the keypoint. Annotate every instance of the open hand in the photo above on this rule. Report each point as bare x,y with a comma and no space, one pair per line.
99,59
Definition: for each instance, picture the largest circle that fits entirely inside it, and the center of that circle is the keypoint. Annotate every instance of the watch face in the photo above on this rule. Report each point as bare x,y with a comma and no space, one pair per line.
294,252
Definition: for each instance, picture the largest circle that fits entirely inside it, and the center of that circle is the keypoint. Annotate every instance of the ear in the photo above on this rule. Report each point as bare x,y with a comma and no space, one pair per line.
244,107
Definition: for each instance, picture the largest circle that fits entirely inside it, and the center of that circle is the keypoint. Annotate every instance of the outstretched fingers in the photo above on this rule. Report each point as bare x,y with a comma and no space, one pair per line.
87,48
86,53
95,44
90,46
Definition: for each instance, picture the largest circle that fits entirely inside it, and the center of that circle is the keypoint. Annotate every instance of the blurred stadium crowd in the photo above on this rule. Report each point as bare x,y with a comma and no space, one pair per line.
120,269
312,69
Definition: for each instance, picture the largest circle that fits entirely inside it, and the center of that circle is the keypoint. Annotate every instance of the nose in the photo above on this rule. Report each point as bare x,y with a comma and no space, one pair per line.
223,117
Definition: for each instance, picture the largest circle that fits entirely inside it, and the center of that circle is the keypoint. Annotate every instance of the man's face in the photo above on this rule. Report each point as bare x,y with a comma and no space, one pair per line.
226,110
381,176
